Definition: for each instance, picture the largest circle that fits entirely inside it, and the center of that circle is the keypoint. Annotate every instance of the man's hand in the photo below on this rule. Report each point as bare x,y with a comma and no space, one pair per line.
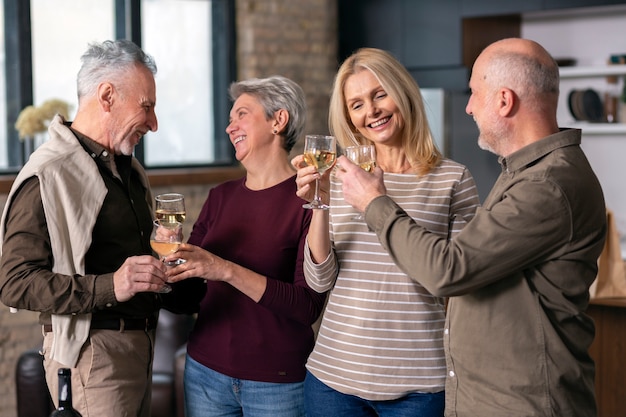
138,274
359,187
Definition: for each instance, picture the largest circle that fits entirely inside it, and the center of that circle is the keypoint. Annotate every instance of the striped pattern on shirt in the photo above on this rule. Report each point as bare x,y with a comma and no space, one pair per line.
381,335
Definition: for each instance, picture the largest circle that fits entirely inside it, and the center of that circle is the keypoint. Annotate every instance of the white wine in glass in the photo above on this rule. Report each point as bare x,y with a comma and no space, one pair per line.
320,151
170,207
165,240
365,157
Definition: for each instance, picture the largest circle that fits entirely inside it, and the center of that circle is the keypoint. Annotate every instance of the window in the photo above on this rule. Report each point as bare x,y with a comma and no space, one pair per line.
183,80
191,41
56,53
4,160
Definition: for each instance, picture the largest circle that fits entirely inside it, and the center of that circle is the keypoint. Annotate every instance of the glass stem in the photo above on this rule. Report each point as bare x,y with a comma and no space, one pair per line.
317,198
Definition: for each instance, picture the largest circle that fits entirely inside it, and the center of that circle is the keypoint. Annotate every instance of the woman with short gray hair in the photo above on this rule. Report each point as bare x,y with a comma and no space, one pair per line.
243,266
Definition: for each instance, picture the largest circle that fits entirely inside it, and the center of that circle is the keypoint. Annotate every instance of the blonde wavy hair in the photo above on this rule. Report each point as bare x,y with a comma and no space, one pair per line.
417,140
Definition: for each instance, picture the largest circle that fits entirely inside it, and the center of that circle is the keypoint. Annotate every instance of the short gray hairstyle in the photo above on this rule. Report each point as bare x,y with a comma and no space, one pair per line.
529,77
275,93
109,59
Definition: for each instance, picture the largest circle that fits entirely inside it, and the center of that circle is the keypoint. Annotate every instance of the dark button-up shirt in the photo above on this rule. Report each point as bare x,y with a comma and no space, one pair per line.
122,229
517,335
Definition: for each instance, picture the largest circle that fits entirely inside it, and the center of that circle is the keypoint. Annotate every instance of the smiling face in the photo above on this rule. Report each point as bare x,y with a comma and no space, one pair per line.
248,127
133,114
483,107
372,111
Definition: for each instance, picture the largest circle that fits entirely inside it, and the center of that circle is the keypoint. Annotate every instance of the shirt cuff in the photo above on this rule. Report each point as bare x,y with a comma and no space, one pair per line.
105,293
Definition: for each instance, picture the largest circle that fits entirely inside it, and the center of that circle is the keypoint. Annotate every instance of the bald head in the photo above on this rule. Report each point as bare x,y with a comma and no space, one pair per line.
525,67
521,46
515,91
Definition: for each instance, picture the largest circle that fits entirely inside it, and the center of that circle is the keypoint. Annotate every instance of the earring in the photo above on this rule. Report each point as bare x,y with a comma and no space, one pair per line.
275,131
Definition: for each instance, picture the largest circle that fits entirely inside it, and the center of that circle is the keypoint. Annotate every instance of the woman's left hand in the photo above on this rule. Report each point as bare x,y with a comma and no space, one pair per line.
199,263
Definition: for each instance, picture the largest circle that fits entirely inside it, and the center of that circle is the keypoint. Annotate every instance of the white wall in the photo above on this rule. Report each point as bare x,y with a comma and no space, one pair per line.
590,35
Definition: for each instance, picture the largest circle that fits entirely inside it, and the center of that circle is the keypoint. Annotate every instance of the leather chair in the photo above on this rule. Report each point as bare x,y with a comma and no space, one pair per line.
34,400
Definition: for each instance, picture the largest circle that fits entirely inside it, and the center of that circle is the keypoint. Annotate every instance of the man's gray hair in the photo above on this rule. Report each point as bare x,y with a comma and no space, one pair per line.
109,59
531,79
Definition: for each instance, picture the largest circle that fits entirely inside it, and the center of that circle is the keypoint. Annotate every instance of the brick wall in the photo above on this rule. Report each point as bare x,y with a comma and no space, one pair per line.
296,39
19,332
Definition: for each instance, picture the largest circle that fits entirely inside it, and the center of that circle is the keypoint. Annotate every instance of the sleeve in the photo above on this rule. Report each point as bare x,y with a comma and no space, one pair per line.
321,277
187,295
514,234
199,229
296,300
26,277
464,203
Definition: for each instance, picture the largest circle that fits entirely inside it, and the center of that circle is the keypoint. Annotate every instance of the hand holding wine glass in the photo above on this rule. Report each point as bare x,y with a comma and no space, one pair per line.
320,151
165,239
365,157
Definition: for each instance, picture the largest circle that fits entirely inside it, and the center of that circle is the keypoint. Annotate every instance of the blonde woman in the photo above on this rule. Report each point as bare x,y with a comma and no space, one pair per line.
379,351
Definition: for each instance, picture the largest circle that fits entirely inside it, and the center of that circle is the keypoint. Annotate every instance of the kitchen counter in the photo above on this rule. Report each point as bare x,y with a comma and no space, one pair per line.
612,302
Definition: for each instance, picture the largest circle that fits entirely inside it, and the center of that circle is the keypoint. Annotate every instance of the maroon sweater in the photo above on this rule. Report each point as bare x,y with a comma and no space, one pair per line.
265,232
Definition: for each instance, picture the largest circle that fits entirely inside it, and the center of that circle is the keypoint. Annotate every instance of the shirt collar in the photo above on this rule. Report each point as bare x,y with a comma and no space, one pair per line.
97,152
531,153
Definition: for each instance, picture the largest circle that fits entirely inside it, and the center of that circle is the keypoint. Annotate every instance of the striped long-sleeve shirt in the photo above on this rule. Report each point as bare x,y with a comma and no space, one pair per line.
381,336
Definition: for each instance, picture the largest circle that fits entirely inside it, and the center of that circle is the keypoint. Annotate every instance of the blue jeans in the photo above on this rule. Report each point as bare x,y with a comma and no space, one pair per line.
322,401
212,394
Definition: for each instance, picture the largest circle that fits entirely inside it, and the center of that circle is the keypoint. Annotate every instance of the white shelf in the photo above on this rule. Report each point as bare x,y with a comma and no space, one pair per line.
586,72
597,128
588,128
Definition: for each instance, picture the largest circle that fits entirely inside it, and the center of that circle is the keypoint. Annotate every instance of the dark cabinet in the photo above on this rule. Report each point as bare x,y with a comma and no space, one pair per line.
432,34
428,36
418,33
371,23
472,8
425,36
452,79
565,4
608,351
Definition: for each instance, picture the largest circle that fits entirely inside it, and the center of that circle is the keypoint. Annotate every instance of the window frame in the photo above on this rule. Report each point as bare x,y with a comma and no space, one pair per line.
18,72
19,80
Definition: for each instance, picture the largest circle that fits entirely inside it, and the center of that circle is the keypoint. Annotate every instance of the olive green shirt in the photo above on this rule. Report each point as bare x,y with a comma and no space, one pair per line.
516,334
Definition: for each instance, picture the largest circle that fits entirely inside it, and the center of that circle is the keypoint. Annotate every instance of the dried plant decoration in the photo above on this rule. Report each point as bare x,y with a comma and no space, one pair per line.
33,120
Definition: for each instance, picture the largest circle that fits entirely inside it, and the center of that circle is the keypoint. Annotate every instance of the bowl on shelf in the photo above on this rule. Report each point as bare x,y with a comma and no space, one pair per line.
586,105
565,62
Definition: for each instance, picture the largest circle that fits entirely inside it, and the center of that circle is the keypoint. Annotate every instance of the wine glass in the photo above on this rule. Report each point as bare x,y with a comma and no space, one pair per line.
365,157
320,151
165,239
170,207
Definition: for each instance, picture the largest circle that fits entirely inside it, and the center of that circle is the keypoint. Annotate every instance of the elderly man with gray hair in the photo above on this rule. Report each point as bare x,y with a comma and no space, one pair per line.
75,237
